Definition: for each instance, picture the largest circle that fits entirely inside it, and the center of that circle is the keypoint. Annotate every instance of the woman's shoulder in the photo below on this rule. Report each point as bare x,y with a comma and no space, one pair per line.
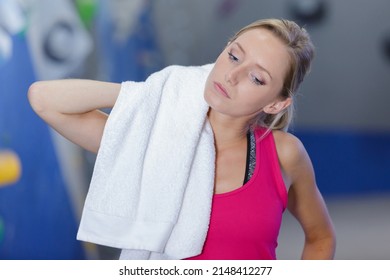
287,143
291,151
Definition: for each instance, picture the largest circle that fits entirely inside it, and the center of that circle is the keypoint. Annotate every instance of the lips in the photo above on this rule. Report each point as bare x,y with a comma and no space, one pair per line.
220,89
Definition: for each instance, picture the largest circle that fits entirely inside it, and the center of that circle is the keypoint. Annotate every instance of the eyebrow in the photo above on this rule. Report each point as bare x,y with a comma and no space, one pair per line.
257,64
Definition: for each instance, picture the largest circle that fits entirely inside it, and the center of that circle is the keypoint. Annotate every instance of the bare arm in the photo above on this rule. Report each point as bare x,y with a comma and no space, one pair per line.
71,107
304,199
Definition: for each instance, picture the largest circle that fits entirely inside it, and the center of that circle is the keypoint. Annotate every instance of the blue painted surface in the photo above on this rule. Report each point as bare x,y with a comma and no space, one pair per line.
37,217
134,58
349,162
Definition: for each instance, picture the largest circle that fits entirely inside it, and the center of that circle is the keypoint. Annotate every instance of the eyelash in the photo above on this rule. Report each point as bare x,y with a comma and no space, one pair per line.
257,81
232,57
254,79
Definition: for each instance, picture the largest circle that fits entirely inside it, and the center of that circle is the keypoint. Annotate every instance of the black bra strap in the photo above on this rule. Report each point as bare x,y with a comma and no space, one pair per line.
250,156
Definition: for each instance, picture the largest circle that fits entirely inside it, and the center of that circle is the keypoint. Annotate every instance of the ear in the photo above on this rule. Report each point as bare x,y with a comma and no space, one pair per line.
277,106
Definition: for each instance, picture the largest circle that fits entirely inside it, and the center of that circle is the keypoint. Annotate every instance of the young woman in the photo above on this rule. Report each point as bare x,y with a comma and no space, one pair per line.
260,169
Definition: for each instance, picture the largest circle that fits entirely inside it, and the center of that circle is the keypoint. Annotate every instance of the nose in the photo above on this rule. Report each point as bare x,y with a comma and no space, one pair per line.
232,75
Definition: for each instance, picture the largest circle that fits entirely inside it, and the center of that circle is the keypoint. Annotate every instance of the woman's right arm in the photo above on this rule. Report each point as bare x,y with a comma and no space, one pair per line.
71,107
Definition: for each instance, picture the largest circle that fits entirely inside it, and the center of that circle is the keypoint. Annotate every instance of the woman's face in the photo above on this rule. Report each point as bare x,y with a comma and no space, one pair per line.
248,76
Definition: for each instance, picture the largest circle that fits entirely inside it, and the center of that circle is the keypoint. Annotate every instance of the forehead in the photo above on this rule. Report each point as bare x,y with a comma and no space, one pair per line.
265,48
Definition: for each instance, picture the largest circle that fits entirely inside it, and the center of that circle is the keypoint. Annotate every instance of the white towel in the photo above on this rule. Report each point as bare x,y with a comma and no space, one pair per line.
153,179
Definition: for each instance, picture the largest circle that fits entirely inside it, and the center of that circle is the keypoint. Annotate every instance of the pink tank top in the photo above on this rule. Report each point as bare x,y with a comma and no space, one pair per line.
245,222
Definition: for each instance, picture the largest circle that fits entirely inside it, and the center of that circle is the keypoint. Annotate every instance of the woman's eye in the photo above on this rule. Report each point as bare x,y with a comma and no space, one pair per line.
232,57
258,81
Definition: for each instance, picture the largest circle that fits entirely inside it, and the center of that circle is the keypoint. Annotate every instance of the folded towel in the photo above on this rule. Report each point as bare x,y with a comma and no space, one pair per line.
153,179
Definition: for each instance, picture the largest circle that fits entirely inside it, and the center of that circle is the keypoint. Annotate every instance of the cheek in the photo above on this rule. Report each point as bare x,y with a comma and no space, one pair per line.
221,64
249,107
207,86
250,96
254,100
208,94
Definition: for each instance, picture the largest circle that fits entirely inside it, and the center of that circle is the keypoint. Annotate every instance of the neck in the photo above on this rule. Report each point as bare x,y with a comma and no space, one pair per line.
228,131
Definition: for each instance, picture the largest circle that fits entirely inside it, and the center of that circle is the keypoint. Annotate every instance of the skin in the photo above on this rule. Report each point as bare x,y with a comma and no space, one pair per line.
71,107
244,81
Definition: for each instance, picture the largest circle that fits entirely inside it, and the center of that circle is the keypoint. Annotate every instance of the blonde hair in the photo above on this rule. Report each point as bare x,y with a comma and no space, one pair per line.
301,51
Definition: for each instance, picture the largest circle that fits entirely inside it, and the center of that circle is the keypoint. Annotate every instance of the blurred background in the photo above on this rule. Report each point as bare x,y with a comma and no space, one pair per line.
342,117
